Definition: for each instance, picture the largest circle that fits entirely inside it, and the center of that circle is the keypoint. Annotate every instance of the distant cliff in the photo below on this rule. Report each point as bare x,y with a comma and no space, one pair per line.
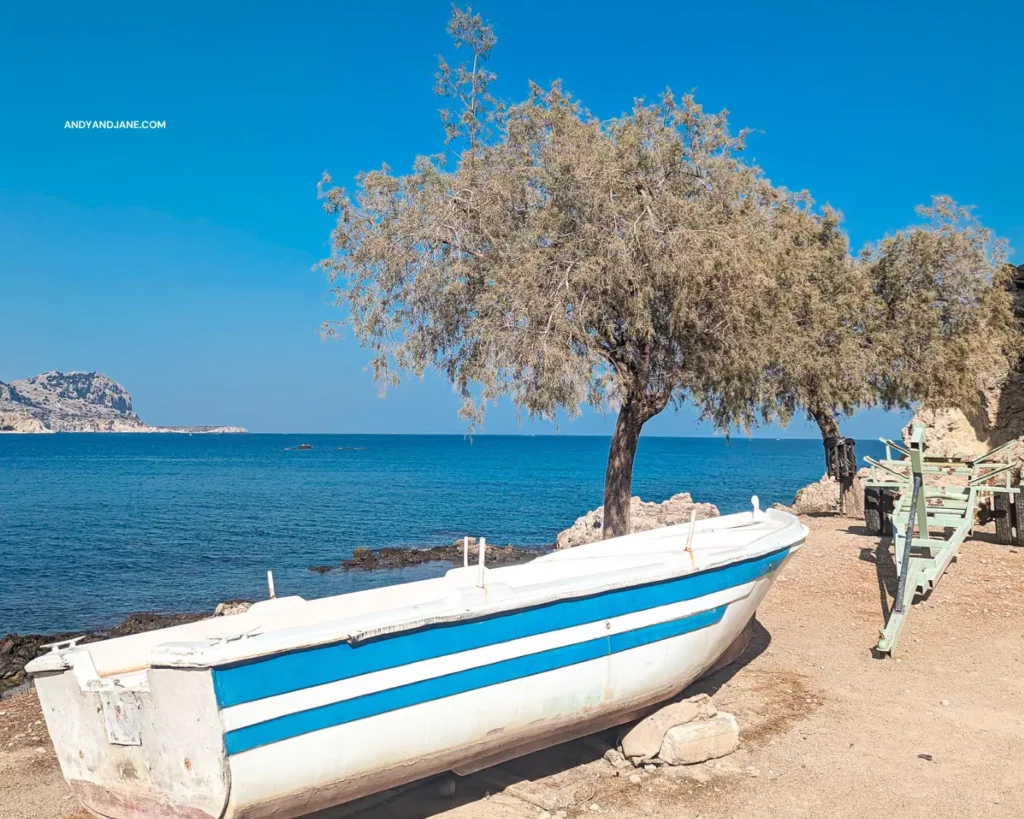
75,402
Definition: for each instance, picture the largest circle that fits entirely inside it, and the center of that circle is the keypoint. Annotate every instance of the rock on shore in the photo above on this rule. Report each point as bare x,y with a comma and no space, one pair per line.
822,497
364,559
75,402
643,515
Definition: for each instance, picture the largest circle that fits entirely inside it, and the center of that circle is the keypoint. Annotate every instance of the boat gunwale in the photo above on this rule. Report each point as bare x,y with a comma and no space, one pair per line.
204,653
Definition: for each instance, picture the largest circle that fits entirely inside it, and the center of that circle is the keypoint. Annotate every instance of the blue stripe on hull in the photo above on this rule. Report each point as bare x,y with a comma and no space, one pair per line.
282,673
404,696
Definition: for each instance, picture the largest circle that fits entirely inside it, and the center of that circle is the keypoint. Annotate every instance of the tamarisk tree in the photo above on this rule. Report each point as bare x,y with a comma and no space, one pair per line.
944,319
823,357
560,260
925,315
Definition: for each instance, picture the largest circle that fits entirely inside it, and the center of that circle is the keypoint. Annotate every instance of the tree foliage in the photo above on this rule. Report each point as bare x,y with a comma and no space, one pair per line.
561,260
945,309
923,315
822,339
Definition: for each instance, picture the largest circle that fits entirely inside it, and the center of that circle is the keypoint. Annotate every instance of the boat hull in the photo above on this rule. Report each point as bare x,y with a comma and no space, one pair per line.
496,722
289,733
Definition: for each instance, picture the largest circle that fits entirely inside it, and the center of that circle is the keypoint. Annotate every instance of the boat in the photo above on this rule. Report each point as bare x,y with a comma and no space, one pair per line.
300,705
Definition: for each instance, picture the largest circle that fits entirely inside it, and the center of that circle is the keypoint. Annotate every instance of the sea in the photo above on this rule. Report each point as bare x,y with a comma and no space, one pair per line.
94,527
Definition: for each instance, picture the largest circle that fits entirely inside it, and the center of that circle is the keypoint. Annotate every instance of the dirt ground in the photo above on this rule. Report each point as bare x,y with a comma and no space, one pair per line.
826,729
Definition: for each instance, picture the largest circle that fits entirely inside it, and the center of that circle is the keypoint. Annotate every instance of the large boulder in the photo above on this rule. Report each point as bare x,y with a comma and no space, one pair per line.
643,515
700,740
816,498
644,740
822,497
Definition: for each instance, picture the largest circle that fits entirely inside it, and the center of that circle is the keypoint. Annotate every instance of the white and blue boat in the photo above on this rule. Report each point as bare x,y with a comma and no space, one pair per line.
299,705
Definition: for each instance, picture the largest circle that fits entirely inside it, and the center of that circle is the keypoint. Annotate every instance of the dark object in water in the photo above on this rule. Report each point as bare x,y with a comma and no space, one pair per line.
322,569
389,558
304,446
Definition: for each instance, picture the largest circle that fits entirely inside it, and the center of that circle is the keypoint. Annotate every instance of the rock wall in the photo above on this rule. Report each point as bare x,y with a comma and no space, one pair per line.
998,419
643,515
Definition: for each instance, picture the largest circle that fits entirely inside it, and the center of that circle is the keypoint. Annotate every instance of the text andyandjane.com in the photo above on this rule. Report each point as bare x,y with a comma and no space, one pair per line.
116,124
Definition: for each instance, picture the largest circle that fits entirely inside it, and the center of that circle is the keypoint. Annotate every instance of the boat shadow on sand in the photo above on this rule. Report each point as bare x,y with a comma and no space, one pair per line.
522,777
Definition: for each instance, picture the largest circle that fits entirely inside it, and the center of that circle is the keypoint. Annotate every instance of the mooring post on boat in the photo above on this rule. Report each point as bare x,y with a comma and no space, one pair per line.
270,584
482,546
756,503
689,535
465,551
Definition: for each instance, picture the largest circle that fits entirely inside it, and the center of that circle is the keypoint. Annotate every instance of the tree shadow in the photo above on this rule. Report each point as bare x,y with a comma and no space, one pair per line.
426,797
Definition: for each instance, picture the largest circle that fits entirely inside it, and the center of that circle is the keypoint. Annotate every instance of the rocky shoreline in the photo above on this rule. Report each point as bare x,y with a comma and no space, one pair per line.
16,650
389,558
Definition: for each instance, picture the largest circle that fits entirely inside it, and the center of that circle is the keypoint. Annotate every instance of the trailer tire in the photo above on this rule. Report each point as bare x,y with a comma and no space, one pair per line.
1018,519
873,510
1002,511
887,508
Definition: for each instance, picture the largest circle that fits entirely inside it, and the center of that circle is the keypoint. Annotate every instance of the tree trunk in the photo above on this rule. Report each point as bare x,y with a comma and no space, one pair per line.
826,422
618,478
829,426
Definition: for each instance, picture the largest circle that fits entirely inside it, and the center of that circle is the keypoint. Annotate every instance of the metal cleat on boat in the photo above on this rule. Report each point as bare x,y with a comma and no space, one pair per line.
60,645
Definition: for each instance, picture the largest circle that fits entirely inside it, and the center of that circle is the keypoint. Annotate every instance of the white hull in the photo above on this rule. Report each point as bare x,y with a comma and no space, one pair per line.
313,712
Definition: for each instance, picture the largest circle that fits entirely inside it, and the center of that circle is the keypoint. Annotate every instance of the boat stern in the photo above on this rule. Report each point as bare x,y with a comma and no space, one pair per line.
145,744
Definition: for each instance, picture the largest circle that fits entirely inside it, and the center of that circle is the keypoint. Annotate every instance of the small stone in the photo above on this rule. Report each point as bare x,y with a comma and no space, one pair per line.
615,758
650,768
595,808
944,702
544,815
635,779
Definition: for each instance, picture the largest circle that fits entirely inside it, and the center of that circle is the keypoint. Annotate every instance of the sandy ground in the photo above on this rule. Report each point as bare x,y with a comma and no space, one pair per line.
827,730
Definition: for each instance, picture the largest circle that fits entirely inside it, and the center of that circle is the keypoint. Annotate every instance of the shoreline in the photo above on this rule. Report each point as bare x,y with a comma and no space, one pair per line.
812,703
16,650
145,431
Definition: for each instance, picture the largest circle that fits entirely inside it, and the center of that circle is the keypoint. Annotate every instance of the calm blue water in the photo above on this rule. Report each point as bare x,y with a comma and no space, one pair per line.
94,527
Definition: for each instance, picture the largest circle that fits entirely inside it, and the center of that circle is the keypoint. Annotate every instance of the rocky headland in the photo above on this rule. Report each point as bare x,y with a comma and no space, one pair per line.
75,402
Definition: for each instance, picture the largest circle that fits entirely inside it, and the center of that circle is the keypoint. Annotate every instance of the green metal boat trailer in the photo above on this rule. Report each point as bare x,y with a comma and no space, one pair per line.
936,502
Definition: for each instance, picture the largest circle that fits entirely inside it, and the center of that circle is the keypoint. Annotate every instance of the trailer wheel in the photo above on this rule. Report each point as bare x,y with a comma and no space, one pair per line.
873,510
1002,508
1018,519
887,508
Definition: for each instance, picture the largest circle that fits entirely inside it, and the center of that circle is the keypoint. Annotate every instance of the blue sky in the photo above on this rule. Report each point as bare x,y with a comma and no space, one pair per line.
179,261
